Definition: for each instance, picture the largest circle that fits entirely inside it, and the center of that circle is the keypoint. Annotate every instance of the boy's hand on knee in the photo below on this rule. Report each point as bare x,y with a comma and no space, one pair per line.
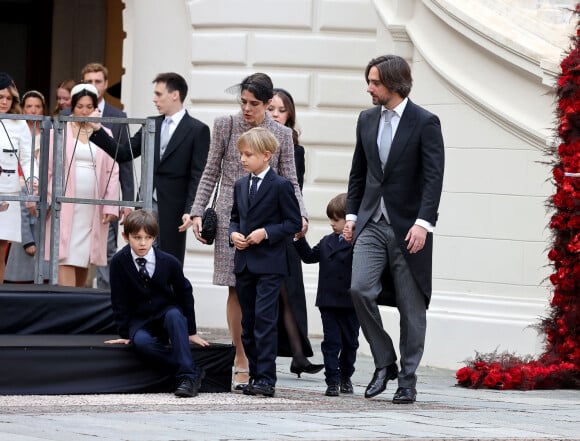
197,340
118,341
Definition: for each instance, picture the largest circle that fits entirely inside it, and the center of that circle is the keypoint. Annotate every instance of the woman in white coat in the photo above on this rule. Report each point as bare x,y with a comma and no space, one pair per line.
15,152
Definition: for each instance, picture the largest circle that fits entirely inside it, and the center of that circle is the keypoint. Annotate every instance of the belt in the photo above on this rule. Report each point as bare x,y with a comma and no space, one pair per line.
10,172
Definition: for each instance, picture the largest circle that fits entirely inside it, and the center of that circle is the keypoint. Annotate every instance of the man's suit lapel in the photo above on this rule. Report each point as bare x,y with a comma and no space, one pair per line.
373,132
404,131
244,194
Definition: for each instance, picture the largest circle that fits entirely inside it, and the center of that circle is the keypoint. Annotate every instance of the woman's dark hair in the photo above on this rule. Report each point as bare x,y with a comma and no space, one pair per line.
336,208
394,73
83,92
141,219
34,94
288,102
260,85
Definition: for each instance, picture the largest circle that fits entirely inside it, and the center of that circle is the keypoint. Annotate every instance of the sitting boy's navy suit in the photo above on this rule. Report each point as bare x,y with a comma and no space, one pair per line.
142,309
260,268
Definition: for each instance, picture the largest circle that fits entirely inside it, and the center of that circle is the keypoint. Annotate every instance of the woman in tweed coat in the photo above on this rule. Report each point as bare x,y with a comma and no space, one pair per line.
224,162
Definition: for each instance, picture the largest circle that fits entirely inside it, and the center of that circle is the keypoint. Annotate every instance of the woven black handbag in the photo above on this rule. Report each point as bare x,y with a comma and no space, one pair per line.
209,219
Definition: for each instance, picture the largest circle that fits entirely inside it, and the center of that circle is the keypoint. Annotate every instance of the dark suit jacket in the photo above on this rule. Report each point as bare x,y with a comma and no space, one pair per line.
135,303
410,183
274,208
335,265
121,135
175,177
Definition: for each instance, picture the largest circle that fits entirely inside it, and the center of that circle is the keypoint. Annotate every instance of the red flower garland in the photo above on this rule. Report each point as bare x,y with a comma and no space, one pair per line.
559,365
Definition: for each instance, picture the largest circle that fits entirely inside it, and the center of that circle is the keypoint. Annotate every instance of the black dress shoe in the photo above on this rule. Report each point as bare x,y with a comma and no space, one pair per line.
309,368
405,395
346,387
332,390
379,382
185,389
260,388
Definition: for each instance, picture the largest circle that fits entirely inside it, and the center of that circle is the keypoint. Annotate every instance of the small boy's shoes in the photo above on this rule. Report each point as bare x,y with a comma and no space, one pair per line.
332,390
346,386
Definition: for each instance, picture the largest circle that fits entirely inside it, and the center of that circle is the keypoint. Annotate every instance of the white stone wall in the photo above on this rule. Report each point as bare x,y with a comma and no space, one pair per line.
490,91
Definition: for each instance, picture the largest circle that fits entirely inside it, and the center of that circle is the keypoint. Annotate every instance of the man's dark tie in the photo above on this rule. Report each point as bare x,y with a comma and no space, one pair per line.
254,187
141,261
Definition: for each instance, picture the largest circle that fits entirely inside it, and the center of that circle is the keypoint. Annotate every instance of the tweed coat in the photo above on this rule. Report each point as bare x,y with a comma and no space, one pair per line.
230,171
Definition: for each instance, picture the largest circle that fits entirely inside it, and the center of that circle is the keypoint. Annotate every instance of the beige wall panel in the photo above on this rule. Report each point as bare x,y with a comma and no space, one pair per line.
347,15
219,48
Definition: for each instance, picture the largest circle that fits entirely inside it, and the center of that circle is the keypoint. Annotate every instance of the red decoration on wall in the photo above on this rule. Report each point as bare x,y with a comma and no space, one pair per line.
559,366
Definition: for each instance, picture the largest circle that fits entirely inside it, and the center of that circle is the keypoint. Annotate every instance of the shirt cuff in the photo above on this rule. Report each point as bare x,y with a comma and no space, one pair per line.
427,225
351,217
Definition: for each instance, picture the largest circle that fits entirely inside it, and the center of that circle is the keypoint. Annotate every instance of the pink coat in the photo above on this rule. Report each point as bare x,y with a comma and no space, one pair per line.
100,231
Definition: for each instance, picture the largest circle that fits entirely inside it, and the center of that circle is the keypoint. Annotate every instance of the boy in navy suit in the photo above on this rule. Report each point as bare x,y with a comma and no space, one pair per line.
264,214
339,321
153,303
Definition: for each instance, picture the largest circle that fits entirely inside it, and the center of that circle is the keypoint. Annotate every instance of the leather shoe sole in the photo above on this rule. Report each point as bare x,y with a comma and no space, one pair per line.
259,389
380,378
405,395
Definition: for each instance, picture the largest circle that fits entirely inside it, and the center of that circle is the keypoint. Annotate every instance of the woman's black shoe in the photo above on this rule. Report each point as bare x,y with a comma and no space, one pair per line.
308,368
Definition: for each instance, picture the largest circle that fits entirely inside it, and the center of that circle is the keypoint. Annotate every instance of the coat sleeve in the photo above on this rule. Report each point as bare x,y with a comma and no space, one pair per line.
307,254
200,149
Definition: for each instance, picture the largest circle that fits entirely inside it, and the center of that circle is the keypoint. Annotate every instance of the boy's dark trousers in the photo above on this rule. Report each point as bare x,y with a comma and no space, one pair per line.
151,343
258,296
340,327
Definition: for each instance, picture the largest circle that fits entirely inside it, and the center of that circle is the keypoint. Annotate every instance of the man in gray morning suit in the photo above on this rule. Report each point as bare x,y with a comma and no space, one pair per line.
394,190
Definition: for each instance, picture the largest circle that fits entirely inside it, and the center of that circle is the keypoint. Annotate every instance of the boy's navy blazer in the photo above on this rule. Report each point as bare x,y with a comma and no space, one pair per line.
274,208
136,302
335,267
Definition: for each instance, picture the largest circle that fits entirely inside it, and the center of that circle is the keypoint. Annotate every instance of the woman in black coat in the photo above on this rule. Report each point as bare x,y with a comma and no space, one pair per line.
293,321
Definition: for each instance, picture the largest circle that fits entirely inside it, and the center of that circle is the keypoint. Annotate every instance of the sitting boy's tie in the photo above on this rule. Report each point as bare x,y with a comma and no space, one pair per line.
141,261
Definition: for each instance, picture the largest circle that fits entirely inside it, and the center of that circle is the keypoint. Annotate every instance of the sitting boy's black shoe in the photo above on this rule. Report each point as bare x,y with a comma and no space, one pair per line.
186,388
346,386
332,390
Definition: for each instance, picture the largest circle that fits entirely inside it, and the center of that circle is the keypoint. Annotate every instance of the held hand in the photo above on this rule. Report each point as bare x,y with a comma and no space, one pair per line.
416,238
32,208
239,241
197,340
95,114
256,236
124,213
109,218
348,230
196,227
186,219
118,341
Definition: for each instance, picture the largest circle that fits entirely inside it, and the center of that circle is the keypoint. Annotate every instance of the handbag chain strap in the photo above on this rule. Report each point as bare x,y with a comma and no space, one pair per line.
217,185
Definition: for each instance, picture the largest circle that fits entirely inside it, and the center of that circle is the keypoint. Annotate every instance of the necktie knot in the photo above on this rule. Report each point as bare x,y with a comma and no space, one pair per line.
254,187
141,261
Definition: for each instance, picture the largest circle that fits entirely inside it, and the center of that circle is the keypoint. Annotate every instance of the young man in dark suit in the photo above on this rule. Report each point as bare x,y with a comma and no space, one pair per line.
264,214
98,75
394,190
339,321
181,147
153,304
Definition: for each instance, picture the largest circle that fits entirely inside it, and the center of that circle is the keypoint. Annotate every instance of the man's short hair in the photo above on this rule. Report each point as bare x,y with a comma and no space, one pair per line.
336,208
259,140
141,219
94,67
173,81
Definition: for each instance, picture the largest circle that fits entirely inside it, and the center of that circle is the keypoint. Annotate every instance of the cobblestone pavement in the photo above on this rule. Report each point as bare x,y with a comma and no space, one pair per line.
298,411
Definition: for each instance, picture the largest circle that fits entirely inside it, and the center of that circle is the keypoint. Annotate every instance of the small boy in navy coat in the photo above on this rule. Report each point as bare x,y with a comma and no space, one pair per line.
264,214
153,304
339,321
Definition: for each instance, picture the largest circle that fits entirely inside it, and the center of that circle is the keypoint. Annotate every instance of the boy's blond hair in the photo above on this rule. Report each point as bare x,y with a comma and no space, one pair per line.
259,140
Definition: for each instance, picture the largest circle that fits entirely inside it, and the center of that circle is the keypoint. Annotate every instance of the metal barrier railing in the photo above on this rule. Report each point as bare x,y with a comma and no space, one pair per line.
40,197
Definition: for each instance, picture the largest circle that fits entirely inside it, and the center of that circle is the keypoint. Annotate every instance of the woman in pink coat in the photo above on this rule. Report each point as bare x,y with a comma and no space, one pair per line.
88,173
